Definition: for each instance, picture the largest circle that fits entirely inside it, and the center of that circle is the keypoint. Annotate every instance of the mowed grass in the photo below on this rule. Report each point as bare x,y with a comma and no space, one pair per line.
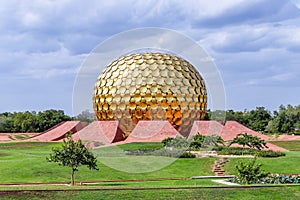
289,164
293,145
274,193
26,163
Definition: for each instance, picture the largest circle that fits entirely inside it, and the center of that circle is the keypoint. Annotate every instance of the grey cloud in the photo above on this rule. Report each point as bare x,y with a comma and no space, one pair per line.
251,12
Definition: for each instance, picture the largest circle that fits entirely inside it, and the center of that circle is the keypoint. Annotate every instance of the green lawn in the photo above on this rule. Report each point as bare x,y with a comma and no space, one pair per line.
138,145
289,164
26,162
293,145
274,193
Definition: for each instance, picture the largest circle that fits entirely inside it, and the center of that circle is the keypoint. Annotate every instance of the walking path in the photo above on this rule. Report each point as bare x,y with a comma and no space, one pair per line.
218,166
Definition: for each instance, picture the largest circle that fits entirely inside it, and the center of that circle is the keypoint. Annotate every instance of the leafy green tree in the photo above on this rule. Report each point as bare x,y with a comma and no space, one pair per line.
166,141
250,173
86,116
259,119
197,141
273,125
213,140
257,143
218,115
239,116
3,123
31,121
24,122
50,118
73,154
248,140
285,120
241,139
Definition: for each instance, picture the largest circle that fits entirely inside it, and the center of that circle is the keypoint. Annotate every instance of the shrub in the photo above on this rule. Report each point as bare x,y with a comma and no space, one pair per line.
249,173
223,150
270,153
178,143
188,155
175,153
166,141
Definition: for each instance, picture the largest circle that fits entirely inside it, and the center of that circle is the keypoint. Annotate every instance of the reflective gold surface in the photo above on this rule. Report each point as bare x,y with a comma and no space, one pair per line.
150,86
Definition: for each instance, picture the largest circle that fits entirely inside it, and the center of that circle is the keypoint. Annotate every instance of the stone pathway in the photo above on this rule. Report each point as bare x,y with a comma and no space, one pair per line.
218,166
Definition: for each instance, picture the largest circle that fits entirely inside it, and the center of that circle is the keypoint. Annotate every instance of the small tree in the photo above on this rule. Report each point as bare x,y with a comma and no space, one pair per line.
177,143
213,140
166,141
73,154
249,173
258,143
249,140
197,141
241,139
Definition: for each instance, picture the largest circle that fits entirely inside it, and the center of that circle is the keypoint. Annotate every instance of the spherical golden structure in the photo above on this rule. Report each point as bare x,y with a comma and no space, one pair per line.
150,86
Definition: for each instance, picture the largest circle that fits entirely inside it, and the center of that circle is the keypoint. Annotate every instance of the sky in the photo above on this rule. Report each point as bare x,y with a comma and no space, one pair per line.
254,44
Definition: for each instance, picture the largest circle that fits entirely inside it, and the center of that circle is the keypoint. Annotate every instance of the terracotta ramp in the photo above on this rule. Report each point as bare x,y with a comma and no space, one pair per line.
58,132
233,128
104,132
152,131
206,128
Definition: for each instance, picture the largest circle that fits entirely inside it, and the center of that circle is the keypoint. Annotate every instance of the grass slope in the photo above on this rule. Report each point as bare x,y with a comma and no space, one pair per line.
289,164
293,145
26,162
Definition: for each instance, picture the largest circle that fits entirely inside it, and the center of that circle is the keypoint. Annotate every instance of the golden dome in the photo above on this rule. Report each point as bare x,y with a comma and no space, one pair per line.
150,86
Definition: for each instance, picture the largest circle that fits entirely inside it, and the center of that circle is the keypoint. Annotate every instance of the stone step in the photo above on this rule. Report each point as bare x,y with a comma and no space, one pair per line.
218,167
218,170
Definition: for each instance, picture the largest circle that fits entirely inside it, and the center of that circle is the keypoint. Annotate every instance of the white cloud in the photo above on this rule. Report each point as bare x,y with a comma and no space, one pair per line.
253,41
40,65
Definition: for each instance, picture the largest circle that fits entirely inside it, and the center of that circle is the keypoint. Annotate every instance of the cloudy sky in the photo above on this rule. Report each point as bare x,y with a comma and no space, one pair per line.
255,45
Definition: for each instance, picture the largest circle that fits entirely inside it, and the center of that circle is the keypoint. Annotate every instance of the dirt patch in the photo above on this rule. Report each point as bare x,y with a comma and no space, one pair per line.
4,154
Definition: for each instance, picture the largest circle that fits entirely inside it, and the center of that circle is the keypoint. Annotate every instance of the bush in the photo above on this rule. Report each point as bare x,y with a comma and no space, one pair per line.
249,173
270,153
223,150
175,153
188,155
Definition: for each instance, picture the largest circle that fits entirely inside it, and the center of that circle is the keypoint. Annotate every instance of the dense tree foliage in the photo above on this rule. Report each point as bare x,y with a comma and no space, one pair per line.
86,116
284,121
31,121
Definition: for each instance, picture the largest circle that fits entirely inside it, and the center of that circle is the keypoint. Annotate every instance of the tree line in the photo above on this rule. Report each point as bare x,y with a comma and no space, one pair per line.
284,121
31,121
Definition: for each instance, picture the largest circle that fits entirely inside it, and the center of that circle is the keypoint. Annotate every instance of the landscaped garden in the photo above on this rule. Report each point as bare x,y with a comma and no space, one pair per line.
25,162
